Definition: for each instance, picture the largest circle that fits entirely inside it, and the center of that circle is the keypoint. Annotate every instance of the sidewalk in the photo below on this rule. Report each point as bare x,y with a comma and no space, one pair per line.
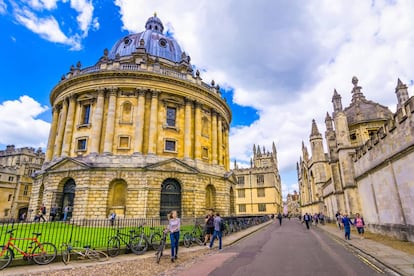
60,266
399,261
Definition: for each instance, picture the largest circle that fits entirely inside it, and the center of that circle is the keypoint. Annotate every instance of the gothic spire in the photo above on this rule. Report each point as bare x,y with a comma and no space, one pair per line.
328,121
402,93
336,100
315,131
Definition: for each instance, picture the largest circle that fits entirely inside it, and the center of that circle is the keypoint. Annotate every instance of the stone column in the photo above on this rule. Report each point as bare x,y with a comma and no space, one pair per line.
97,123
152,133
139,123
220,140
227,152
61,129
52,135
187,129
197,131
214,136
67,139
110,122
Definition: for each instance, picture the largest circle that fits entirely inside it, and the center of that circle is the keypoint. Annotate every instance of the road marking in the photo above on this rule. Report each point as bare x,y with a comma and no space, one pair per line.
370,264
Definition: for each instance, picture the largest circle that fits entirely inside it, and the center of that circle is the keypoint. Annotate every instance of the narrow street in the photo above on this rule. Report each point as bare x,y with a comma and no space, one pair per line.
289,249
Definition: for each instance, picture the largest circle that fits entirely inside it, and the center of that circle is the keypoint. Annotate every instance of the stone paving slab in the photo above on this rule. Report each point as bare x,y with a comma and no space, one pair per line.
60,266
399,261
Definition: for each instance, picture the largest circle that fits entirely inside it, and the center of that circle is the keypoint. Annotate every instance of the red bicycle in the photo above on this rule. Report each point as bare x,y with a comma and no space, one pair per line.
40,253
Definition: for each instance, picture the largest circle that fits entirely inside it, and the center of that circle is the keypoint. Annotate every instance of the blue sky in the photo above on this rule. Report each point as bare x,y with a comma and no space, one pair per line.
277,62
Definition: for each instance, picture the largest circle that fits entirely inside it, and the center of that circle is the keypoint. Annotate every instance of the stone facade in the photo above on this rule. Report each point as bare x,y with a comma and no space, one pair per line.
368,165
17,165
292,204
138,133
258,190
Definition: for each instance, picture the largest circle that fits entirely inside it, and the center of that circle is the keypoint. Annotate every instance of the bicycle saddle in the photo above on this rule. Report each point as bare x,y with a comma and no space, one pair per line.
10,231
37,234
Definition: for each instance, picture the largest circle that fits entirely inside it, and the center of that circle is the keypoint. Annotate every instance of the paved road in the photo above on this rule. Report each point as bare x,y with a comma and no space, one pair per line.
289,249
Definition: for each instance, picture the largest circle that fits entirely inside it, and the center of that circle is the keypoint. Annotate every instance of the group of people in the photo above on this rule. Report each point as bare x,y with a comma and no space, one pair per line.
308,219
41,214
213,229
345,222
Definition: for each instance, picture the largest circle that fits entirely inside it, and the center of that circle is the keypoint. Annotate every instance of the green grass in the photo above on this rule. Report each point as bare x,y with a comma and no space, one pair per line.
61,232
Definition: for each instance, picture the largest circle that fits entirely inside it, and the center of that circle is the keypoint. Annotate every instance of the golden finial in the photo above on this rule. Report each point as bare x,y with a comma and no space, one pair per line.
155,14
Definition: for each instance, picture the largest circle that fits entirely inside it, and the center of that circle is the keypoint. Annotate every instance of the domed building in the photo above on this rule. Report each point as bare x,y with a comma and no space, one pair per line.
138,133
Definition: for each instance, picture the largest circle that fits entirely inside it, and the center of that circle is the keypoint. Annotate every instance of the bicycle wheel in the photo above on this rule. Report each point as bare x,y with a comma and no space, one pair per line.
113,247
64,249
6,258
96,255
160,251
44,253
139,245
155,241
187,239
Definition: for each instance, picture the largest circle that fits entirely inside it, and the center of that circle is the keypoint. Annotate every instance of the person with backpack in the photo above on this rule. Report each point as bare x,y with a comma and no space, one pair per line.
218,231
209,228
307,219
279,217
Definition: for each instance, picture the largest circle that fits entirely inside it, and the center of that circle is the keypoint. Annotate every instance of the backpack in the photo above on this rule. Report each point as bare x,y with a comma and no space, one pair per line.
222,225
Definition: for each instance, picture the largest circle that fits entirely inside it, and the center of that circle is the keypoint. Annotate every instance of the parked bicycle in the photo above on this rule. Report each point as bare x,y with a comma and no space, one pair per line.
114,242
142,241
161,247
195,236
40,253
68,249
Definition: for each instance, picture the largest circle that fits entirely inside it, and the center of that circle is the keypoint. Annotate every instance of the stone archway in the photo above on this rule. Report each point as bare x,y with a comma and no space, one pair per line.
68,197
170,197
117,197
210,197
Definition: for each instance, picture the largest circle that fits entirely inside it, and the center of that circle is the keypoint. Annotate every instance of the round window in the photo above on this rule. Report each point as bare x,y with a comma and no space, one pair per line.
127,41
163,42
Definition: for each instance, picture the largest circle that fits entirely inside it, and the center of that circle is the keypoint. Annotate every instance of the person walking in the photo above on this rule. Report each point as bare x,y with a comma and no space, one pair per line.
359,223
53,213
339,219
218,231
174,224
112,217
209,227
280,217
307,219
65,213
346,222
42,212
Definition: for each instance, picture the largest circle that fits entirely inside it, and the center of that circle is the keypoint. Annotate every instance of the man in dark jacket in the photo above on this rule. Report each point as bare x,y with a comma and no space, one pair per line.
307,219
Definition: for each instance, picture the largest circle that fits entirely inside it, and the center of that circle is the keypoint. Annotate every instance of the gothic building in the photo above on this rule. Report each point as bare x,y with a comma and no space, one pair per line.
138,133
17,165
258,189
368,165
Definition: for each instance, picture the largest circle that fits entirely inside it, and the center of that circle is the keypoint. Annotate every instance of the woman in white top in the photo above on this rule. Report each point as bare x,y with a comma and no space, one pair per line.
174,228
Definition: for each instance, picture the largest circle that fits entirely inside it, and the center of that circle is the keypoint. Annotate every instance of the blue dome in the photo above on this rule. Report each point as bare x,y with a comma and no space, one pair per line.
155,42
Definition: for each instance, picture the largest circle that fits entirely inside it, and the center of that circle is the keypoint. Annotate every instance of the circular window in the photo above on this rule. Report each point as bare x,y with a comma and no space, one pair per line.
127,41
163,42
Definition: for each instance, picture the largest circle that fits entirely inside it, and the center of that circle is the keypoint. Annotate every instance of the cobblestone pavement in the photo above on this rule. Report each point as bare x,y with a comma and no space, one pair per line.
143,266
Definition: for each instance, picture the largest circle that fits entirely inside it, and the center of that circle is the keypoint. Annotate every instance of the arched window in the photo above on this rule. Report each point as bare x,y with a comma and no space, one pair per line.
117,197
210,197
170,197
68,198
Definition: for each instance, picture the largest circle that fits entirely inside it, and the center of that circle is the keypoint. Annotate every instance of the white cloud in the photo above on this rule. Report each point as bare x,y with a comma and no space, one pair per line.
85,18
286,58
19,124
39,17
3,7
42,4
48,28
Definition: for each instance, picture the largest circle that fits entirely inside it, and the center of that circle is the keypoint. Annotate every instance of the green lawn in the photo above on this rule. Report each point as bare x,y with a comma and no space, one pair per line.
60,232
